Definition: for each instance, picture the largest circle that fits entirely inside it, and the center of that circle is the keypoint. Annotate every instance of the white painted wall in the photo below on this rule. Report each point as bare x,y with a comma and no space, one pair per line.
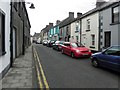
73,34
73,28
94,29
5,59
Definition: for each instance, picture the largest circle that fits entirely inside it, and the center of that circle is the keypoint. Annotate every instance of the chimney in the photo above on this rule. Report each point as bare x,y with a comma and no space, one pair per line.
57,22
79,14
71,14
100,3
50,24
47,25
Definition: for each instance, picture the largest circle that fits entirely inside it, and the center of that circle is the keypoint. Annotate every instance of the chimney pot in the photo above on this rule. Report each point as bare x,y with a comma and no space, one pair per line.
79,14
71,14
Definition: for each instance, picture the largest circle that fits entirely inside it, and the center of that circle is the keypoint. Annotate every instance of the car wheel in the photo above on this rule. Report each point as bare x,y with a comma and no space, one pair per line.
95,63
72,55
62,51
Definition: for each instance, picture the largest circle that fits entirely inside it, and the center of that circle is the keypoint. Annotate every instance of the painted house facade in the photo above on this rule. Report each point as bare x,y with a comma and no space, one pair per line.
90,30
14,33
46,31
35,37
54,32
110,25
65,27
4,37
76,29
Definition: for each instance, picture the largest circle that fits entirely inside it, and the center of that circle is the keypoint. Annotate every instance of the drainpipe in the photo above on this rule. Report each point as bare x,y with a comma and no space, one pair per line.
99,32
119,24
23,46
11,35
80,30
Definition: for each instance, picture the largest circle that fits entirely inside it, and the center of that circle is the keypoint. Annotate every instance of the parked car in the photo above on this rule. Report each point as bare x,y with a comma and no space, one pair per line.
58,45
75,50
38,41
45,42
50,43
109,58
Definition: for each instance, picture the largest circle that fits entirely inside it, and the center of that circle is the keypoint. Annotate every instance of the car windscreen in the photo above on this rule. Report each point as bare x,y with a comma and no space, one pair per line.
77,45
115,50
80,45
61,42
57,42
74,45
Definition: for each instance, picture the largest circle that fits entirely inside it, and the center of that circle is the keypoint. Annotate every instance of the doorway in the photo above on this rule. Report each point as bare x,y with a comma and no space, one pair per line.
107,39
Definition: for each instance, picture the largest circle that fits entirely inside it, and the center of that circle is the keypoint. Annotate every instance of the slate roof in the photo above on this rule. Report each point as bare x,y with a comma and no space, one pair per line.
47,28
105,5
66,21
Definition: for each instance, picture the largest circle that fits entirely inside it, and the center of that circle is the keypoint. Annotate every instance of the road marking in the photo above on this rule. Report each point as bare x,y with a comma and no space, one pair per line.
38,74
42,72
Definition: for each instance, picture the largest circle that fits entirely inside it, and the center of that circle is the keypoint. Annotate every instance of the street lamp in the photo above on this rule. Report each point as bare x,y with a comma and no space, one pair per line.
31,6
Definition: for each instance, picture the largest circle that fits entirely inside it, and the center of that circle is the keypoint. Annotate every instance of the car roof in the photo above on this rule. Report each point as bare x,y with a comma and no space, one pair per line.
66,42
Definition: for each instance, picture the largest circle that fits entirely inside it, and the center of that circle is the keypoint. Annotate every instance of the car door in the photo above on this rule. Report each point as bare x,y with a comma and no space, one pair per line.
110,59
69,49
66,48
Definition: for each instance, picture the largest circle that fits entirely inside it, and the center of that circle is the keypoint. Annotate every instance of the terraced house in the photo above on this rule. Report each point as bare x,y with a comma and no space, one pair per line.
90,27
14,33
76,29
65,27
54,32
4,37
46,31
110,24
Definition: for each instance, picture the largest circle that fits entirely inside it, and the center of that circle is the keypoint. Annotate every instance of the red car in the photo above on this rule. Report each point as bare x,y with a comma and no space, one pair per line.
75,50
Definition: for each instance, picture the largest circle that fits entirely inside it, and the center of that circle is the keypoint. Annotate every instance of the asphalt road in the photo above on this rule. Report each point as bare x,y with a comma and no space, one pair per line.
62,71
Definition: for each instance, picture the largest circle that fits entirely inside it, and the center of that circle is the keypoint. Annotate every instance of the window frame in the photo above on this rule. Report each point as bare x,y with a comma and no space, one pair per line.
113,14
2,15
93,40
111,51
88,24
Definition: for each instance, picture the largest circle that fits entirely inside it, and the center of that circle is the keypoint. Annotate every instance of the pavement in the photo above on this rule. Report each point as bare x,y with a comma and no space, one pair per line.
21,74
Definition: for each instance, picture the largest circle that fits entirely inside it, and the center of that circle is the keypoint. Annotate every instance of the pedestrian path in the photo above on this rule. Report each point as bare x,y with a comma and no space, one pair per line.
20,75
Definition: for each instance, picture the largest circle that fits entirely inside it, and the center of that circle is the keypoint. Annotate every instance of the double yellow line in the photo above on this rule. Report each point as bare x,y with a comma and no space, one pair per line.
40,73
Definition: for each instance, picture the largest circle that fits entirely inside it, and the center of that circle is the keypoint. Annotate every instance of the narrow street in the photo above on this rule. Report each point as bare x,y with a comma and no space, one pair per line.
62,71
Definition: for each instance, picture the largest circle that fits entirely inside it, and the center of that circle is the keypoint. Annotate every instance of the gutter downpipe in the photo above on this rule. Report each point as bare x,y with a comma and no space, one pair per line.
119,23
11,36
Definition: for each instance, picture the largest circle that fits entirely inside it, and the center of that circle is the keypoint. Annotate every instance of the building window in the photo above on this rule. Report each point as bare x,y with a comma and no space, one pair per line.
115,15
76,38
67,30
2,34
93,39
88,24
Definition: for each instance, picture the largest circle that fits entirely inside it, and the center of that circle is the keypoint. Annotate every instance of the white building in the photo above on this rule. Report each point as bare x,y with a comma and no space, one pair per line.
75,31
90,29
4,37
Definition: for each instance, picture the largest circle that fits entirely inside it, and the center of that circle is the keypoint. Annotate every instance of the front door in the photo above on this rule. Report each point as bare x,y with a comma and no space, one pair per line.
107,39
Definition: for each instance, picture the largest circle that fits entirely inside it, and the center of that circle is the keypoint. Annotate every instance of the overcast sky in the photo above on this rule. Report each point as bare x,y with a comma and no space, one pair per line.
51,10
